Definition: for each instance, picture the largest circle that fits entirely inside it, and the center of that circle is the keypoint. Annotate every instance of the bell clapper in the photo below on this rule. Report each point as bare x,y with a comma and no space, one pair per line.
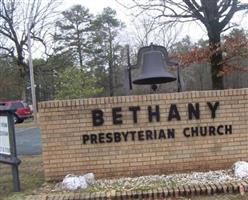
154,87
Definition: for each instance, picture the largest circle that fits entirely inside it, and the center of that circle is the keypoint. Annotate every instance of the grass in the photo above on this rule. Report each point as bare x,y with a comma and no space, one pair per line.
27,124
31,178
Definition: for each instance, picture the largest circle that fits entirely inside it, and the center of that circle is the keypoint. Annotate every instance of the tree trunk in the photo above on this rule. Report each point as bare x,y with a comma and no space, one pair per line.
111,64
216,61
23,82
111,86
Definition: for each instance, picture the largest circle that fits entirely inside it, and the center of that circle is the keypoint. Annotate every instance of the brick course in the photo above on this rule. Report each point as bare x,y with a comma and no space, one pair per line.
159,193
64,122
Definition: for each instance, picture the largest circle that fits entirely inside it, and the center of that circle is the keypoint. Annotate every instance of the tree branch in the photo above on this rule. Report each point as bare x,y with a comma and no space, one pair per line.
229,15
196,12
224,5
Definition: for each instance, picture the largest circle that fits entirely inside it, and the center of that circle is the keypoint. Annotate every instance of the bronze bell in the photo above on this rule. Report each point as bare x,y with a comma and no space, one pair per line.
153,62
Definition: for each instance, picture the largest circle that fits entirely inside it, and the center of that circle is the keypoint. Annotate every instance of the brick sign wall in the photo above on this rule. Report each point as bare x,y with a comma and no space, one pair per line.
141,135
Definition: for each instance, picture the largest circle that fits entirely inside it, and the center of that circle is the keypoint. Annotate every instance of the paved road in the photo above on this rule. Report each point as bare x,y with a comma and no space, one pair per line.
28,141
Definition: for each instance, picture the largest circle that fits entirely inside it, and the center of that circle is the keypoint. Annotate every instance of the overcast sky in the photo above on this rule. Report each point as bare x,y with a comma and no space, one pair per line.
96,6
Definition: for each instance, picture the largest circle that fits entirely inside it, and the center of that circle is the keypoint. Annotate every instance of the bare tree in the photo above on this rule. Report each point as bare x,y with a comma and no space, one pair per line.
214,15
147,31
144,28
14,17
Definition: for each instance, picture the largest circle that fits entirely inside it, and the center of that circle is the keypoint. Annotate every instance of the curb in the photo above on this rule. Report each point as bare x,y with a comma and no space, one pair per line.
160,193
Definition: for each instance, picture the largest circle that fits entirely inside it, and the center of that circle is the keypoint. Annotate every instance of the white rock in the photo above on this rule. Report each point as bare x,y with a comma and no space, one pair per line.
90,178
72,182
240,169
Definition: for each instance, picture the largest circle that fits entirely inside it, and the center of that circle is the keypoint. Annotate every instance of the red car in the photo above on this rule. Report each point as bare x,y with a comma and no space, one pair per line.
22,110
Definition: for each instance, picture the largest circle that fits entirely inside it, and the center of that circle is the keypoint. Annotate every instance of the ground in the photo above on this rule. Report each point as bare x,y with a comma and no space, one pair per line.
221,197
32,178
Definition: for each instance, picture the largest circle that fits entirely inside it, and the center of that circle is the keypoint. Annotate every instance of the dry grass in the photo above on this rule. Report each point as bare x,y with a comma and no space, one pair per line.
27,123
31,177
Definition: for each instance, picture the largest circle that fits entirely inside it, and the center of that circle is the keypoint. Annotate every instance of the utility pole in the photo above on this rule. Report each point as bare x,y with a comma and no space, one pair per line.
31,70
